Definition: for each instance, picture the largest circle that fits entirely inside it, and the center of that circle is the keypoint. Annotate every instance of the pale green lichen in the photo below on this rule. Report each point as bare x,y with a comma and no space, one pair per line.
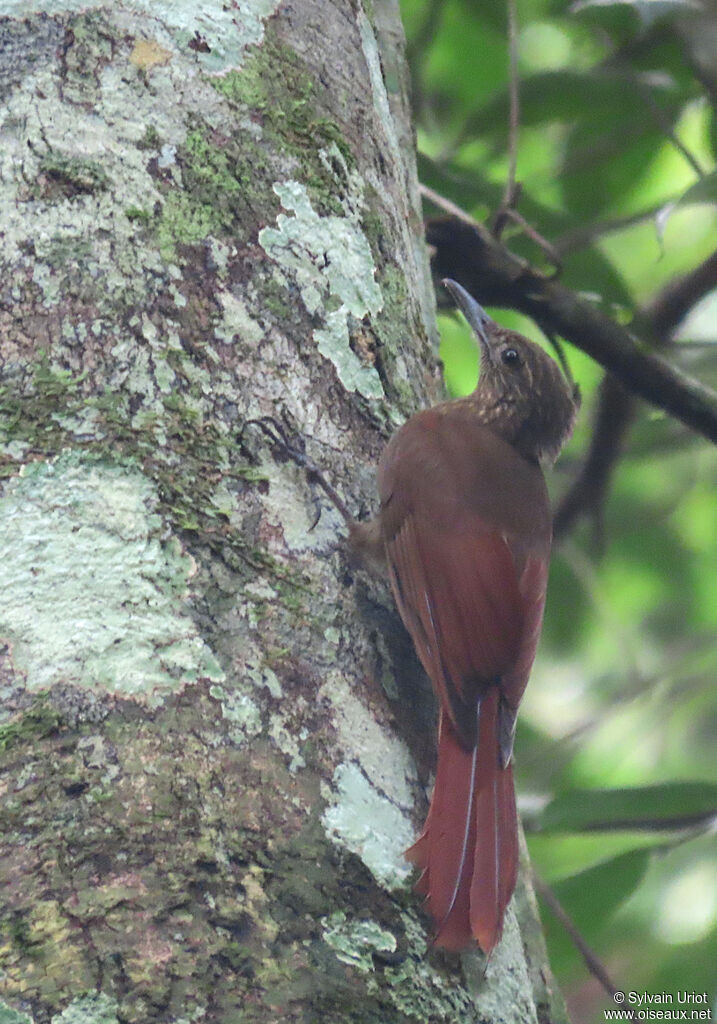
262,675
236,322
419,991
384,758
93,1008
10,1016
260,595
378,87
226,29
355,942
288,742
71,231
369,825
240,711
61,161
508,996
94,590
332,636
296,518
413,987
331,262
84,423
333,343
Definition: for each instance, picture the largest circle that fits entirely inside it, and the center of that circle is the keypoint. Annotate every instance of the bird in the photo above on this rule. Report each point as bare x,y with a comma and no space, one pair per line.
464,528
464,531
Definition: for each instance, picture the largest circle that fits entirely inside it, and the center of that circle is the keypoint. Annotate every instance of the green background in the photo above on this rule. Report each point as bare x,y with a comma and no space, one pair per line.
616,757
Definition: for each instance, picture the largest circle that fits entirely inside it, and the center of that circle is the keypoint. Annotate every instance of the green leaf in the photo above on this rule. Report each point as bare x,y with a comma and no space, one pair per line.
602,170
649,11
592,896
562,95
703,191
664,807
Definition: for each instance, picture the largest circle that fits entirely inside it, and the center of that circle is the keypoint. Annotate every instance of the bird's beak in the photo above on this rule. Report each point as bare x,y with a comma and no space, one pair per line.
474,313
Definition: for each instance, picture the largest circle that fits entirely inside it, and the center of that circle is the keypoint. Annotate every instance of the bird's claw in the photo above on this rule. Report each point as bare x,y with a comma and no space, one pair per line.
292,445
278,433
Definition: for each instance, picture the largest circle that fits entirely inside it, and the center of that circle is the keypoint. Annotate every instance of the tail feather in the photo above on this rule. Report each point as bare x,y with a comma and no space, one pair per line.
468,851
443,852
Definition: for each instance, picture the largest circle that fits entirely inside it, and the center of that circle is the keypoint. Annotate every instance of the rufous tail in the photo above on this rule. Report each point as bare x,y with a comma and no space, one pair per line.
468,851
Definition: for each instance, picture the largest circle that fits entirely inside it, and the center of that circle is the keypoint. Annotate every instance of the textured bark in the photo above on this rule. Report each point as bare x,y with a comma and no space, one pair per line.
210,214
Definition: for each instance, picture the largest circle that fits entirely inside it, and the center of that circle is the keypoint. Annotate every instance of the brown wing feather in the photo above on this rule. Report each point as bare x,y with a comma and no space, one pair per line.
466,530
470,587
459,595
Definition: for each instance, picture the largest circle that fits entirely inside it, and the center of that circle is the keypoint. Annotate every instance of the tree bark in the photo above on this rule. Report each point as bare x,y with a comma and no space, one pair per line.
214,731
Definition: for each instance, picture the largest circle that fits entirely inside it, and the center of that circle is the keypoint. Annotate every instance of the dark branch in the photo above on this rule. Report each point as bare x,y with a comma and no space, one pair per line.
614,414
496,277
616,408
676,300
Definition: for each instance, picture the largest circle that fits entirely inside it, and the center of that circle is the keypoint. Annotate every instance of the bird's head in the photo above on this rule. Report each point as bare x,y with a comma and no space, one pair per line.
522,393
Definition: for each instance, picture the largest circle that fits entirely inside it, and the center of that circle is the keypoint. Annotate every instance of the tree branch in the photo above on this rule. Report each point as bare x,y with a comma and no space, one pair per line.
616,407
469,255
676,300
512,188
613,416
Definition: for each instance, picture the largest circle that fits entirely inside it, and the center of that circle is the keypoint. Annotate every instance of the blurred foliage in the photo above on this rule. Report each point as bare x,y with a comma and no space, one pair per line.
616,759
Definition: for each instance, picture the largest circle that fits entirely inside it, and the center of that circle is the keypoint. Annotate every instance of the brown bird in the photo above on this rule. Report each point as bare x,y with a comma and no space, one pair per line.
465,528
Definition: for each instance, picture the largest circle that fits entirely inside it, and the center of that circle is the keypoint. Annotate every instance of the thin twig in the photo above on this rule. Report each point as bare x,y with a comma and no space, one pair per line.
592,961
535,236
512,189
447,206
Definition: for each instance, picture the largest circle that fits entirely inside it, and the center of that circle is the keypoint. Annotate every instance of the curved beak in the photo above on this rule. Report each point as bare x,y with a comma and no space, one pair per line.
474,313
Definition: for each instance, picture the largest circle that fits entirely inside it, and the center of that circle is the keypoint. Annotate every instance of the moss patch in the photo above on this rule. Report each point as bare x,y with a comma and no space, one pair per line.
52,410
62,177
216,183
153,860
274,86
226,180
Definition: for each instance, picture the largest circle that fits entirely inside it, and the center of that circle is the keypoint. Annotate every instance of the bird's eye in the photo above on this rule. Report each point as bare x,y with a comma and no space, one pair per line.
511,357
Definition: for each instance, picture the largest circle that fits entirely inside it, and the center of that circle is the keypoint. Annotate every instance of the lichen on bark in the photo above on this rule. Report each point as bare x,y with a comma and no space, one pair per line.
191,674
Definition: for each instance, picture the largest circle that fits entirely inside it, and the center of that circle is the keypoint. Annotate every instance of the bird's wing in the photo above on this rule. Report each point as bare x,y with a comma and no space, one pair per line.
469,588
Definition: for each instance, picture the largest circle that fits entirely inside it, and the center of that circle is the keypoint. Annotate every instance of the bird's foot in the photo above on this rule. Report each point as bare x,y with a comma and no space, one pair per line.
288,442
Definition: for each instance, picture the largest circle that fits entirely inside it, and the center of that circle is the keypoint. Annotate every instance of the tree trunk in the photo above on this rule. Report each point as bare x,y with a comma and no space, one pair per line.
212,719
